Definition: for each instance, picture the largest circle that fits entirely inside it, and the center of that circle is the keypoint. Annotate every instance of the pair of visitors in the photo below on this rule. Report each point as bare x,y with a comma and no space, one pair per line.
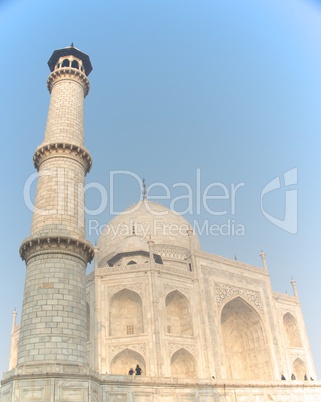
138,370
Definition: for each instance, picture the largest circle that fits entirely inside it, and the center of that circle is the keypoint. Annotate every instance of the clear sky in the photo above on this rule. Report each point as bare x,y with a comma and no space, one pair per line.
226,90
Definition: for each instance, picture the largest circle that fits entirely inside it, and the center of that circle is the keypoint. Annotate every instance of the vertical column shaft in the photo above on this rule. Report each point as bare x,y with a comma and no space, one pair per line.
53,324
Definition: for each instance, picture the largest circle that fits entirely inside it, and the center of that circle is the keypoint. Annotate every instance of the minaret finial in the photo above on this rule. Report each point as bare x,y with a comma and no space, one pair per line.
263,259
72,44
144,191
293,283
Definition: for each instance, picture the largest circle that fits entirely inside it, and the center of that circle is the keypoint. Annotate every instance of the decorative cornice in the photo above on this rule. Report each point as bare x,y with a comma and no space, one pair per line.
62,149
54,244
67,73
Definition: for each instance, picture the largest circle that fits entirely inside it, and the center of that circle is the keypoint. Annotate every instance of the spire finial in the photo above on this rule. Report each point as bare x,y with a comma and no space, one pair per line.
72,44
144,191
262,254
293,283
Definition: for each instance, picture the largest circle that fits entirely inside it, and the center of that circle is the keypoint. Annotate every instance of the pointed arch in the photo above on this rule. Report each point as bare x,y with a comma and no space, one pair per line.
75,64
247,354
126,314
123,361
183,364
292,332
299,369
178,314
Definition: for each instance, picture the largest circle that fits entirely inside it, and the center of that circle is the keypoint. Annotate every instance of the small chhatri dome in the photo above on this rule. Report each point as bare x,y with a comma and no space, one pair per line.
151,220
72,53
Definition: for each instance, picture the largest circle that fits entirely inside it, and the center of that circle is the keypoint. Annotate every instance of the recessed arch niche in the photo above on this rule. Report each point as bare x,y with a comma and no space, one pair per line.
178,314
125,360
247,355
292,332
299,369
183,364
126,314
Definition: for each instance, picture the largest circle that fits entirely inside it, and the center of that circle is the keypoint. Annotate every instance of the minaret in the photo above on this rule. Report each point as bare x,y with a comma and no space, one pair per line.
263,255
295,291
53,323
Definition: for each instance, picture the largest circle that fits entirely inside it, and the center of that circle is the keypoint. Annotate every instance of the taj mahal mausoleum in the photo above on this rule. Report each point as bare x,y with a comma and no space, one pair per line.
192,326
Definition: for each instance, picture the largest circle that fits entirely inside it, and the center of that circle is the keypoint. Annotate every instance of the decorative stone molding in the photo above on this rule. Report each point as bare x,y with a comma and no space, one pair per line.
137,347
67,73
226,291
135,287
122,268
62,150
227,261
173,252
301,356
179,272
53,244
146,267
174,347
170,288
231,277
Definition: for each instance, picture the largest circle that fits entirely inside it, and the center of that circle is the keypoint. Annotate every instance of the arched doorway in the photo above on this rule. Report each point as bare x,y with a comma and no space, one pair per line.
299,369
246,351
125,360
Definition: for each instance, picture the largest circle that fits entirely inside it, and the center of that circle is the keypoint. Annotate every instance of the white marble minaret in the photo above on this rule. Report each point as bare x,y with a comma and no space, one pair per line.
53,324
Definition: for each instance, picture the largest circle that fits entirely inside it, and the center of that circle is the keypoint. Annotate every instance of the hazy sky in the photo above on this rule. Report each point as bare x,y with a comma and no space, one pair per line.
194,92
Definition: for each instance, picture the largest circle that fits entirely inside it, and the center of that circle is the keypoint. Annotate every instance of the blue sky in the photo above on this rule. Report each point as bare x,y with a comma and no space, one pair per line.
228,89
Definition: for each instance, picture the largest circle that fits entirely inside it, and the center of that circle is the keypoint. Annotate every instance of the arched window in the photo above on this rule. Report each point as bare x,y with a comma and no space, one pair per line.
246,350
125,360
183,364
292,333
75,64
178,315
66,63
126,314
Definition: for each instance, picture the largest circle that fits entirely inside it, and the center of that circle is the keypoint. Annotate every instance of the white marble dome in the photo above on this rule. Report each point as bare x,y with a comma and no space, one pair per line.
140,222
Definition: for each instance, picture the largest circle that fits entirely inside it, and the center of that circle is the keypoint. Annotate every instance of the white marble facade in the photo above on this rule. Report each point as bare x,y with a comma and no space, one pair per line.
162,302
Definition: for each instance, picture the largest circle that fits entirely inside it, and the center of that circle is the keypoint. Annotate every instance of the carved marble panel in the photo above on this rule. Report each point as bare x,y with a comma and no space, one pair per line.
137,347
224,292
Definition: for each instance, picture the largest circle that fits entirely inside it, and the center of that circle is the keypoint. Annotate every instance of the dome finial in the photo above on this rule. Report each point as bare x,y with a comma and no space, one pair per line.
144,191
